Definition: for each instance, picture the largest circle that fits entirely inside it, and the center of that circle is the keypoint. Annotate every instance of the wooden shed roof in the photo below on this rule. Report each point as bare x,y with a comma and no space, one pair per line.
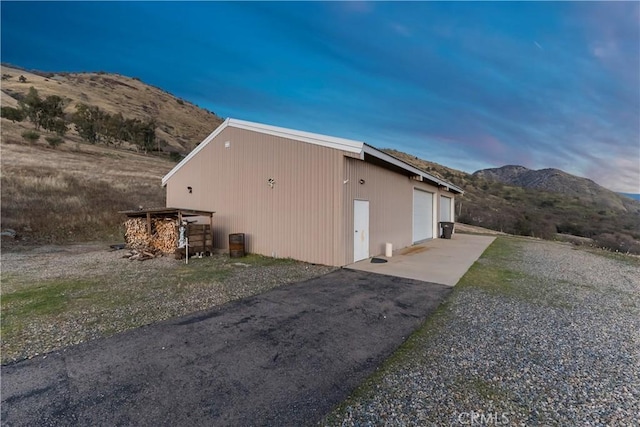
164,212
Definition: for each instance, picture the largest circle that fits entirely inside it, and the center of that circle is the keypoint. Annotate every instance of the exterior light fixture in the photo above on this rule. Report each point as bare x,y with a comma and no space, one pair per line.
190,190
271,182
362,181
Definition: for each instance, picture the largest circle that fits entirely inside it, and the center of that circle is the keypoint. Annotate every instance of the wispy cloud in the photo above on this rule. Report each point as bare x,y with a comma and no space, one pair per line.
400,29
467,84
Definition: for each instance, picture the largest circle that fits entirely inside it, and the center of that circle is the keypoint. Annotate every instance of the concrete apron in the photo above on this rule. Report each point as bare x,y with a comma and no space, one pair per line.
442,261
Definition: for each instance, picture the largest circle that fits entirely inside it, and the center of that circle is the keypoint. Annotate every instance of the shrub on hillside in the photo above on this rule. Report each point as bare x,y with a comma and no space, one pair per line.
54,140
175,156
618,242
31,135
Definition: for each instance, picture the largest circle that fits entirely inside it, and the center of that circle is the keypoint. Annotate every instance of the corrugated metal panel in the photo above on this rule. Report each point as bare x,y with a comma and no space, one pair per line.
297,216
308,214
390,197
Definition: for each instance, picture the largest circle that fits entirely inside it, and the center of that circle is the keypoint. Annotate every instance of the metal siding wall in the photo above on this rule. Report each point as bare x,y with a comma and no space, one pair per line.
391,205
298,218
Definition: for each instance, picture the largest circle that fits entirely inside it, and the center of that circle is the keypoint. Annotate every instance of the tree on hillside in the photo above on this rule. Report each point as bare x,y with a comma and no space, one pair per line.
89,122
52,116
95,125
115,129
47,114
13,114
32,106
145,135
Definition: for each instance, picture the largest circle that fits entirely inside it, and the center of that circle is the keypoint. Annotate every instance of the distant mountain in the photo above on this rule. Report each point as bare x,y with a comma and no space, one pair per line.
631,195
549,203
556,181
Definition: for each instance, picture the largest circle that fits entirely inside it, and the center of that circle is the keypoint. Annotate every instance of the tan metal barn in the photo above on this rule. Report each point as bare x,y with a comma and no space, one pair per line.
307,196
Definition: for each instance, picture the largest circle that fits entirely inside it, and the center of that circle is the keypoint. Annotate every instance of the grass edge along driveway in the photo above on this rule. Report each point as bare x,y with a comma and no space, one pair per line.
528,336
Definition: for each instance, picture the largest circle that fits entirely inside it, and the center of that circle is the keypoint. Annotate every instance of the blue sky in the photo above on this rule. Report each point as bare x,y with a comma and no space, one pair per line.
469,85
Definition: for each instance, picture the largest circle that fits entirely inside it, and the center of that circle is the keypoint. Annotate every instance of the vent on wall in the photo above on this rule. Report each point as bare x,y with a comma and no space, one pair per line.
227,144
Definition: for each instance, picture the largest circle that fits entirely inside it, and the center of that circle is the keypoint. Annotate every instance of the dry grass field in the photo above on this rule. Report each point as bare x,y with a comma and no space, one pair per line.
73,192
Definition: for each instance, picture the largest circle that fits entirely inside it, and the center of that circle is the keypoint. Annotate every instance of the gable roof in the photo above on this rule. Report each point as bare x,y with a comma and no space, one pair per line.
348,145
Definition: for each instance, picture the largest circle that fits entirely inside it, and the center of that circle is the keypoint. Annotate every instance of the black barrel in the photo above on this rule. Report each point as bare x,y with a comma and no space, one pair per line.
236,245
447,229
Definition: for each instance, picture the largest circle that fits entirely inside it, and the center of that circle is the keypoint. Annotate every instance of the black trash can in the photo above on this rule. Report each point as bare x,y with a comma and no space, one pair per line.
447,229
236,245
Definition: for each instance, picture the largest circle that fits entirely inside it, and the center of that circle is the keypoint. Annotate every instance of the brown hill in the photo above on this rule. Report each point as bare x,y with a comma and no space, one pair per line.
180,124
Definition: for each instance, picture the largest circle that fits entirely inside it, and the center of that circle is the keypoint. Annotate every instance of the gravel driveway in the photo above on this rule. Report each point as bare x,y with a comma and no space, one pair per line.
559,346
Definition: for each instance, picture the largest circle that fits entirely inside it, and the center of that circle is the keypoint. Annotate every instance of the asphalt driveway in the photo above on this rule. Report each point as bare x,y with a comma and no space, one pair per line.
285,357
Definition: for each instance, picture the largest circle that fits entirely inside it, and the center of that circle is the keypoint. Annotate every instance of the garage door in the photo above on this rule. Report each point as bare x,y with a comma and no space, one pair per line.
445,208
422,215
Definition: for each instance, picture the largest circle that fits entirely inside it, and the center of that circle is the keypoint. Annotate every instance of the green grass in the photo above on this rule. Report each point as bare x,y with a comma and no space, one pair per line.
490,273
263,261
49,297
91,302
46,300
198,271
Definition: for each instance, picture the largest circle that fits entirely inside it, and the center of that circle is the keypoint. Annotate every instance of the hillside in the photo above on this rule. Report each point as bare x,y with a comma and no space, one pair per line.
556,181
605,218
73,192
180,124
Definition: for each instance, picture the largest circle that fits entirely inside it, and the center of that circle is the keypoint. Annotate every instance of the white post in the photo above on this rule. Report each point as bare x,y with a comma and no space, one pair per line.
388,250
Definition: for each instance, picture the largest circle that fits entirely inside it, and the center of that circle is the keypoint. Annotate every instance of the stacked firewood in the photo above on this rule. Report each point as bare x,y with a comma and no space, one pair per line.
135,233
163,237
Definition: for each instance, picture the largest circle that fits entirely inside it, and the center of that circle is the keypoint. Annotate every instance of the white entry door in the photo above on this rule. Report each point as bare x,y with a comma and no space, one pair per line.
360,230
422,215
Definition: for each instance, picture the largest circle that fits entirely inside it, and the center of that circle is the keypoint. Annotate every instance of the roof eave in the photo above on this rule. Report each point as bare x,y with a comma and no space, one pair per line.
347,145
404,165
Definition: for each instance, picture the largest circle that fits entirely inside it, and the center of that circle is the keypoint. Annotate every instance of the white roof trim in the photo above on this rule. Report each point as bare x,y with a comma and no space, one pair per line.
348,145
343,144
